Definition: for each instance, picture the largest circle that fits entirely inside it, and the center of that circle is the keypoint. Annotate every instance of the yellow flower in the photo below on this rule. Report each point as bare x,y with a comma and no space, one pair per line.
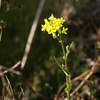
52,18
64,30
61,20
52,25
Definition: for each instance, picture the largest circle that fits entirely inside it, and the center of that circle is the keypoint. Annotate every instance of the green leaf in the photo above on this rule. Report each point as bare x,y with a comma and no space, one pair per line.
69,85
68,47
62,67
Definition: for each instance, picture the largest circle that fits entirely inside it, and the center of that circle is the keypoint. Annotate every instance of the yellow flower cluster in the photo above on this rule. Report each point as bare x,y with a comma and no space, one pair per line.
53,24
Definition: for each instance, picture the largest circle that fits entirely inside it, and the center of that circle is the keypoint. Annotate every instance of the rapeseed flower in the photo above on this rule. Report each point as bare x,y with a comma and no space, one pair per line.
64,30
53,25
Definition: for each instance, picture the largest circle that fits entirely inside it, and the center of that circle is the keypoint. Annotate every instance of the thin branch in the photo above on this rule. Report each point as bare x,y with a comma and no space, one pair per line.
32,33
22,91
25,82
81,84
10,88
5,85
18,64
97,64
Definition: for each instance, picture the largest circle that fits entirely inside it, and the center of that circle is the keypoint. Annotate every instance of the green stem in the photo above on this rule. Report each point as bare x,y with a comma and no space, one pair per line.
64,54
68,95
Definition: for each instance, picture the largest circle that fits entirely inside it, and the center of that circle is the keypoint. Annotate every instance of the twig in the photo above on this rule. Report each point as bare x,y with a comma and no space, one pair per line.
31,34
5,86
24,81
10,88
22,91
80,85
86,78
18,64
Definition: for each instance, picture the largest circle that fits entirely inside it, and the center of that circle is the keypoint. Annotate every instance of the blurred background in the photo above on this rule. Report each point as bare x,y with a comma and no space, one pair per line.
41,71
